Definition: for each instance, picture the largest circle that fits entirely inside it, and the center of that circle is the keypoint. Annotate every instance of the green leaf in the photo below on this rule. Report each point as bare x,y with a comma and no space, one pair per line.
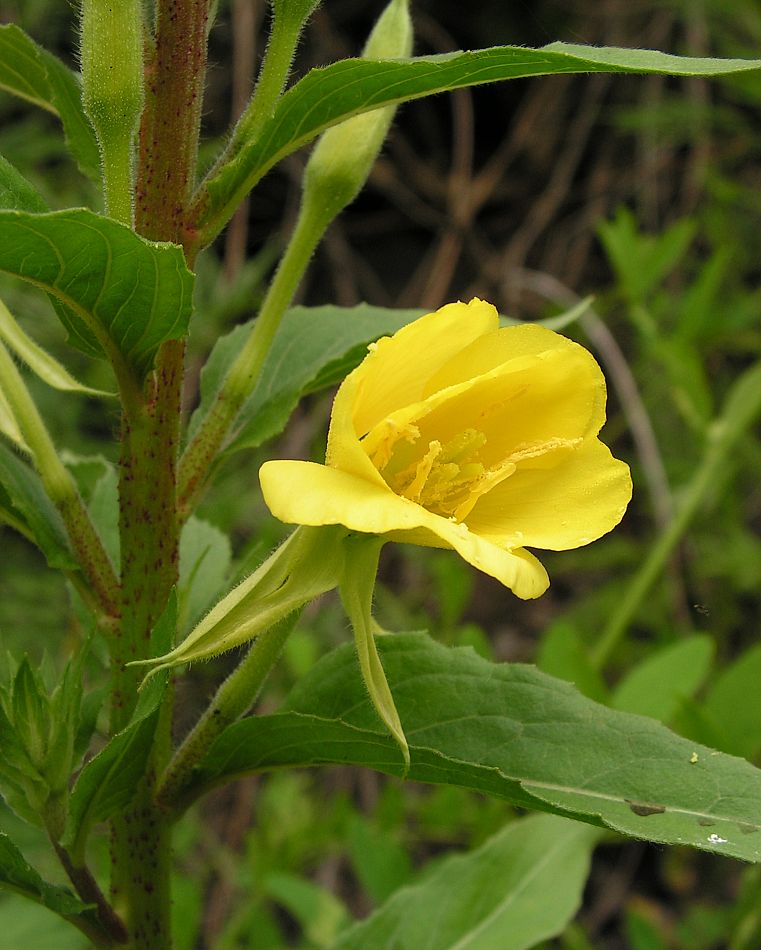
314,347
520,887
325,97
17,875
643,261
120,293
20,782
563,654
31,711
320,913
106,785
29,71
16,193
734,704
205,556
509,731
379,860
38,360
9,424
658,685
24,924
26,499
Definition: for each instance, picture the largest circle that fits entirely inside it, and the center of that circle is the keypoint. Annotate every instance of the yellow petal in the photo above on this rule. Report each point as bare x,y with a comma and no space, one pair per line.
497,348
306,493
344,449
524,408
559,508
395,372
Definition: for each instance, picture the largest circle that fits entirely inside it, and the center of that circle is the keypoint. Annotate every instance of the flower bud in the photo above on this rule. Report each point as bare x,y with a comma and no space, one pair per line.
111,52
345,154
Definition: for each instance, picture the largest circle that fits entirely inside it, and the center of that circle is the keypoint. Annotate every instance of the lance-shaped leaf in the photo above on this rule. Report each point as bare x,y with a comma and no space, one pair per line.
508,731
24,504
29,71
121,294
521,887
8,423
325,97
16,874
38,360
106,785
16,193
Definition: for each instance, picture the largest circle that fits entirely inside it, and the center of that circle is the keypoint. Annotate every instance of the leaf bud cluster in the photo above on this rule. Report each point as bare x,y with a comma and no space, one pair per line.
40,739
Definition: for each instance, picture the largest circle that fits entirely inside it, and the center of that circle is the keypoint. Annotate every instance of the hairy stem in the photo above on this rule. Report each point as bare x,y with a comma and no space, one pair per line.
233,698
148,525
62,490
174,87
141,843
269,87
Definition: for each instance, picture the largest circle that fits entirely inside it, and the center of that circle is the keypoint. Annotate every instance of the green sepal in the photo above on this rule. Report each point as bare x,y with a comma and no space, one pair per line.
356,588
307,564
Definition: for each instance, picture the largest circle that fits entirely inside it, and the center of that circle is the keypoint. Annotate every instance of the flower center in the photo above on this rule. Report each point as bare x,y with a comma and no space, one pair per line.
448,479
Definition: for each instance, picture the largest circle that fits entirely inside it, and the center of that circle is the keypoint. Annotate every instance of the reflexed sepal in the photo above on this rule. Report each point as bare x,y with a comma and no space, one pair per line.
357,586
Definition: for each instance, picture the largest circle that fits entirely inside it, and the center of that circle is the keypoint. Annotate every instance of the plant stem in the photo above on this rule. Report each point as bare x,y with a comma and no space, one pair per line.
272,79
742,407
141,841
244,373
233,698
114,931
62,490
148,523
117,181
270,85
169,130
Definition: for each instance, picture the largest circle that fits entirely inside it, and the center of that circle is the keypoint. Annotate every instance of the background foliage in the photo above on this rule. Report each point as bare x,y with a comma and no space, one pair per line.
641,191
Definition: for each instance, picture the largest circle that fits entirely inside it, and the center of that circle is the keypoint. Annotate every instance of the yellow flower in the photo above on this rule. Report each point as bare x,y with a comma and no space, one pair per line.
457,433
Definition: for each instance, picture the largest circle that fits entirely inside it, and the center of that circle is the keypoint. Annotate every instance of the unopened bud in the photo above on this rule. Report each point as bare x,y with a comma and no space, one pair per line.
111,53
345,154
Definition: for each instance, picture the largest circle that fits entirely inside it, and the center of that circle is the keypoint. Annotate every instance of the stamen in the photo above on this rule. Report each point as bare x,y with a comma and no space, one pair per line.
449,478
421,472
381,441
